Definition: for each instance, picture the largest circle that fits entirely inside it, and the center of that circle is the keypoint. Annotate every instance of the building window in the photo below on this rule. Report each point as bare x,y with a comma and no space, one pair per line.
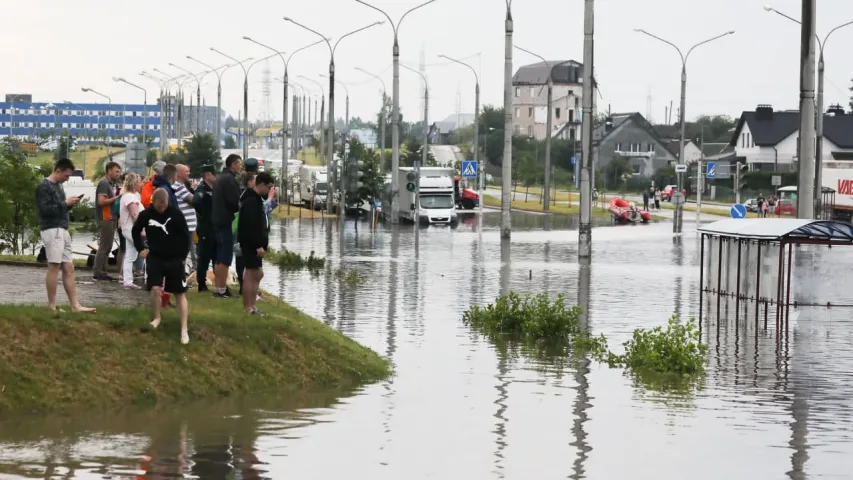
618,147
557,112
530,111
571,134
102,113
532,91
571,115
517,112
517,92
530,131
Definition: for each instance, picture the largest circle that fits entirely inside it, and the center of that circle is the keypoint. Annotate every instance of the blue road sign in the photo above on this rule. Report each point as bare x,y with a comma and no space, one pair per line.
469,168
712,170
738,211
574,160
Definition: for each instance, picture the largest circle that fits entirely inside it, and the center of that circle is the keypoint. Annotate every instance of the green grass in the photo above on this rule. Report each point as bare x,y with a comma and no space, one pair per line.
311,157
535,206
78,262
54,362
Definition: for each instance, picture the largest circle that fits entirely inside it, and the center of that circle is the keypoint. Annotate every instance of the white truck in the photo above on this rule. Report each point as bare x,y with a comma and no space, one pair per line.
437,205
313,186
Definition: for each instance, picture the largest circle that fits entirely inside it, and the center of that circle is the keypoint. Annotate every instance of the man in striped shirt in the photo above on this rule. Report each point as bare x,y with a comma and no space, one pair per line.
185,203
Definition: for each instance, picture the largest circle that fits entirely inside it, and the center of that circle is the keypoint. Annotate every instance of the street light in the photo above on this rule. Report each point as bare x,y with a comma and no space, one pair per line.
425,145
162,84
818,182
322,154
381,119
144,107
482,170
245,99
109,113
336,181
395,113
506,167
550,84
198,77
300,119
177,116
218,93
679,207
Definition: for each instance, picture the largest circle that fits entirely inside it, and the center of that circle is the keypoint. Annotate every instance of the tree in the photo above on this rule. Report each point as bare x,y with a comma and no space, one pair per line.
413,151
230,142
150,157
19,179
63,147
613,174
201,151
230,123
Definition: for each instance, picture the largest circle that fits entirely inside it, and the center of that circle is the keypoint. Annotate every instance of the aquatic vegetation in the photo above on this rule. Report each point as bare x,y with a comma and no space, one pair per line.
674,350
350,277
294,261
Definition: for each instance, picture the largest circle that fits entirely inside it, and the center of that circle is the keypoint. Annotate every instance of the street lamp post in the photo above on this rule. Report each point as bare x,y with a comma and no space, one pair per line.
285,62
161,84
425,145
395,113
679,208
506,168
109,113
219,75
322,153
144,106
481,167
198,78
87,129
586,166
381,143
818,183
331,146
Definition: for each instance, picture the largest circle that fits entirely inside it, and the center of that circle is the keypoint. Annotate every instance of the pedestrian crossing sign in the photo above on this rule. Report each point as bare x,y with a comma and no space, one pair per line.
469,168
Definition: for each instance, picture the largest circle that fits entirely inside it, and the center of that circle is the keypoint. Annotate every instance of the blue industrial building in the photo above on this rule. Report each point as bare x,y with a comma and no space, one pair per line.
86,121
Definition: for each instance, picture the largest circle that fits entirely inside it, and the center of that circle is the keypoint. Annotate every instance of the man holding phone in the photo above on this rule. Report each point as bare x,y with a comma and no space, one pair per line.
105,197
52,208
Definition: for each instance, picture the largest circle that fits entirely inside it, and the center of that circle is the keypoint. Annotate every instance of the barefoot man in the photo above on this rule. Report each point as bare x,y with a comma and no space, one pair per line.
168,247
52,208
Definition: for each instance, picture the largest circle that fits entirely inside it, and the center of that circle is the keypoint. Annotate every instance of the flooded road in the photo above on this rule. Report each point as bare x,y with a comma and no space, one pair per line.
459,407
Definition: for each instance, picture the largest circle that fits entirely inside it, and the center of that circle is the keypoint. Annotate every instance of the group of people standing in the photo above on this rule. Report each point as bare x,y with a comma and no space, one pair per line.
171,225
651,196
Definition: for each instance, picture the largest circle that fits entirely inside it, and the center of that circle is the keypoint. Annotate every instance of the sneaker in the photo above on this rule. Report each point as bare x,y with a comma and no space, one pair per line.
132,286
221,295
104,278
257,313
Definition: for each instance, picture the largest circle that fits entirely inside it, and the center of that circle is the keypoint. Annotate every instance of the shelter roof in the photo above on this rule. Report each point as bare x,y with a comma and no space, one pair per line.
781,229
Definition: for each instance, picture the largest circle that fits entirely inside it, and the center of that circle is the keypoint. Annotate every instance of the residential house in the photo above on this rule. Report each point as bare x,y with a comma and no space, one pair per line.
442,129
530,99
631,136
769,140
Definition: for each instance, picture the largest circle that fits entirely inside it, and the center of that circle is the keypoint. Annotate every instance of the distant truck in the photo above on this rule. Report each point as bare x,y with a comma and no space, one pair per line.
437,203
837,179
313,186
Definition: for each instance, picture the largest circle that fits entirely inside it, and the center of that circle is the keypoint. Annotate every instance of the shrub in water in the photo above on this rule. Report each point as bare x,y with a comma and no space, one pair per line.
294,261
350,277
674,349
530,317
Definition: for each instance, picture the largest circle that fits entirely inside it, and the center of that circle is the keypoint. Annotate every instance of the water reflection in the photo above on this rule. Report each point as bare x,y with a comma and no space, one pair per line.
490,410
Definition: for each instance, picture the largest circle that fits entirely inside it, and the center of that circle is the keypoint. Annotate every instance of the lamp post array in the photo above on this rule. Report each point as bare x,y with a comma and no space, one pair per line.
109,113
395,113
679,207
144,107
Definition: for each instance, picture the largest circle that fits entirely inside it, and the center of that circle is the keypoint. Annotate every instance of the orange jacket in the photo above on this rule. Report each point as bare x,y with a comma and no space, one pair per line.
147,192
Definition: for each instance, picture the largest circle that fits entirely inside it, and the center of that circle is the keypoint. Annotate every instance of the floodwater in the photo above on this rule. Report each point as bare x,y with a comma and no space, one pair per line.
773,404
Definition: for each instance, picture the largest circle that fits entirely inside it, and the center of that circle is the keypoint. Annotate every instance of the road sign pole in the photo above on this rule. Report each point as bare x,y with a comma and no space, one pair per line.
700,185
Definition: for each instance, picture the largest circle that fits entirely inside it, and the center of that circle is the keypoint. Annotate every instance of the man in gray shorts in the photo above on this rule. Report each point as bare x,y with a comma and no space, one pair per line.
52,208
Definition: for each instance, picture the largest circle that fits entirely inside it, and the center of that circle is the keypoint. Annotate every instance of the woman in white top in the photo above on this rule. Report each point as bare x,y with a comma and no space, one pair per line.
128,211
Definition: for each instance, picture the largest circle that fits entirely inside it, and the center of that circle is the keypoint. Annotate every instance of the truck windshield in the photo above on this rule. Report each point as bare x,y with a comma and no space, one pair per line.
320,188
436,201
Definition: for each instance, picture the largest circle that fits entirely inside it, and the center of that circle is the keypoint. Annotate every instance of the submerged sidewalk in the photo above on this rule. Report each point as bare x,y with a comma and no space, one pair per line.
25,285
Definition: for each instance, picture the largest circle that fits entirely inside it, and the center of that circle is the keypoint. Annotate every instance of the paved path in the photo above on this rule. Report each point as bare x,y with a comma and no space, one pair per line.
25,285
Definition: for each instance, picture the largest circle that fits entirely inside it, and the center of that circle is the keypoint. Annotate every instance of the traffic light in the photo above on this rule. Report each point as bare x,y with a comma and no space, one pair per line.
355,174
410,179
740,173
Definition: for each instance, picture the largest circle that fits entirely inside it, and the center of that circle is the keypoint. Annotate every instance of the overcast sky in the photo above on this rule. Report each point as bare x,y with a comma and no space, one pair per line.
51,48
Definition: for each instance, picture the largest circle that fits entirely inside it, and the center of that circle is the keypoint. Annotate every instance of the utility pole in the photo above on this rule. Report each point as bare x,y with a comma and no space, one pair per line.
506,168
585,229
806,180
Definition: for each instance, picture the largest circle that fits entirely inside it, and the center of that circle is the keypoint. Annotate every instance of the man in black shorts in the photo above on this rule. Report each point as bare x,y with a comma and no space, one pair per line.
253,235
168,246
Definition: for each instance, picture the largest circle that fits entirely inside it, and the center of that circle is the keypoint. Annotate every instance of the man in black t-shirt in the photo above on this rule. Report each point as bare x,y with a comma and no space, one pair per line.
168,246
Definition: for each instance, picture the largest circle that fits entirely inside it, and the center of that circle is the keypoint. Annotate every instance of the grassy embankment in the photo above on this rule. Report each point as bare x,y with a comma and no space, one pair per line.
93,157
535,206
54,362
300,212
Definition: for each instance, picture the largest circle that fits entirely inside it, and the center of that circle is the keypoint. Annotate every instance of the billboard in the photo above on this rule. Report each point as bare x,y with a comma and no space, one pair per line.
19,98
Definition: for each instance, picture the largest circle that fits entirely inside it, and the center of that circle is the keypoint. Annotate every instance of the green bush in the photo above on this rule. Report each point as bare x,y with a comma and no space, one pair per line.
294,261
675,349
350,277
529,317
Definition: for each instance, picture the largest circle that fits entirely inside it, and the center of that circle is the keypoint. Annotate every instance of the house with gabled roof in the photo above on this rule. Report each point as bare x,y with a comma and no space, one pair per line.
769,139
631,136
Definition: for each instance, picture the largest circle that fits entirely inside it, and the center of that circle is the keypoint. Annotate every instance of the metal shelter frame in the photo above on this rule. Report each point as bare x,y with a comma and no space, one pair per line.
762,232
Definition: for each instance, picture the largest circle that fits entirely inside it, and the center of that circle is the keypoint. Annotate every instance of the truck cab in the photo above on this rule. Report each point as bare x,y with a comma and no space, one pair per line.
437,205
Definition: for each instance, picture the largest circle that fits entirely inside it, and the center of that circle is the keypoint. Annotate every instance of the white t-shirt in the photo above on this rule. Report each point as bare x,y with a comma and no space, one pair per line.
124,219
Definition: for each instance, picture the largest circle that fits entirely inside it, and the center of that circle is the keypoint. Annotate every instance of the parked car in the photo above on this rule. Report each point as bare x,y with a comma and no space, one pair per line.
751,205
666,193
786,207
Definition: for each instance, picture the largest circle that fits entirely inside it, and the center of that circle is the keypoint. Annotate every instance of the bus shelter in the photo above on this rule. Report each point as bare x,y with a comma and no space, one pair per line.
745,260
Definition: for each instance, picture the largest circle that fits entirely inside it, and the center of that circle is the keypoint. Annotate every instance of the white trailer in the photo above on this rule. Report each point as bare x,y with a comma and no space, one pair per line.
837,180
313,186
436,206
